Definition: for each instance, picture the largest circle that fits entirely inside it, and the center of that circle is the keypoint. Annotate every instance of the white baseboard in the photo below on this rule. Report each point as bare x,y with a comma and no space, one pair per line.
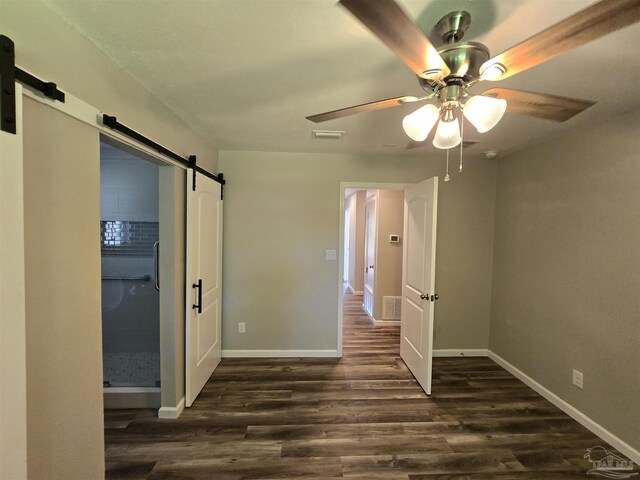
469,352
570,410
354,292
278,353
385,323
171,413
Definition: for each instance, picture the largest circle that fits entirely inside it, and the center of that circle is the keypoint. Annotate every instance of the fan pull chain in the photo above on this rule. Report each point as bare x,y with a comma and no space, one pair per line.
461,142
446,173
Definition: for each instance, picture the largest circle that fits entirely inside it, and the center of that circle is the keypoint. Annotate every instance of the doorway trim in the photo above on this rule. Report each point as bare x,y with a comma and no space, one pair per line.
341,226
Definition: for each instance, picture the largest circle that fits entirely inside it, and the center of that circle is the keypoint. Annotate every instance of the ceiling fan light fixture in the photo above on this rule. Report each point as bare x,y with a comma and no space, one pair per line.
493,71
484,112
447,134
418,124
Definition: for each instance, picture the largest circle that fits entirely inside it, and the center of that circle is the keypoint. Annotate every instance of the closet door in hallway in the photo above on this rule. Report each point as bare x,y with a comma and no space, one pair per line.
370,254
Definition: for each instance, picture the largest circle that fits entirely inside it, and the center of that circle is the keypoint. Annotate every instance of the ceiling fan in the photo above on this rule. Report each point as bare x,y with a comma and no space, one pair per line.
446,73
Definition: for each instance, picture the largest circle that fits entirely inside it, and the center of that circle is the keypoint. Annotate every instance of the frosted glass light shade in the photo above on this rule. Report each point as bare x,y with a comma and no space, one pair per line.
484,112
447,134
418,124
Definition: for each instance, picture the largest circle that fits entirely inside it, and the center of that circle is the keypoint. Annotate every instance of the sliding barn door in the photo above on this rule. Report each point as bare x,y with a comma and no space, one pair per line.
13,376
418,279
204,283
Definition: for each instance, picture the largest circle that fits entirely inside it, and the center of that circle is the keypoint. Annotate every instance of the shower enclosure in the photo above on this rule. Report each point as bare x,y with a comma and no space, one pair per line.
129,241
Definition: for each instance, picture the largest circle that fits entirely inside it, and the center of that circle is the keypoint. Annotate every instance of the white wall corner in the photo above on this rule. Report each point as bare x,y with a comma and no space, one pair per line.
279,353
171,413
570,410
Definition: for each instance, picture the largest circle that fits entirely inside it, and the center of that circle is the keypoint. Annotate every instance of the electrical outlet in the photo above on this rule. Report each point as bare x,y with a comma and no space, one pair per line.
241,327
577,379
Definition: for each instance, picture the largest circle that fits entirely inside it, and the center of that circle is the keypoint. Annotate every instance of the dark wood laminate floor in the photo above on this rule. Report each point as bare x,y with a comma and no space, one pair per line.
360,417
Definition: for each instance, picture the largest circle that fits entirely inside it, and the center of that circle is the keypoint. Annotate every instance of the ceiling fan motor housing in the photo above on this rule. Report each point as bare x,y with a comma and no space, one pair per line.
464,59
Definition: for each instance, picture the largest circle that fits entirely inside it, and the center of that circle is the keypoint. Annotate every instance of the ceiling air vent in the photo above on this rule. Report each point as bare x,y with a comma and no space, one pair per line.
327,134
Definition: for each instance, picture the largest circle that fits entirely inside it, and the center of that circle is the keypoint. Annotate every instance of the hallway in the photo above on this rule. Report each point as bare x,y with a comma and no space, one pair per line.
362,417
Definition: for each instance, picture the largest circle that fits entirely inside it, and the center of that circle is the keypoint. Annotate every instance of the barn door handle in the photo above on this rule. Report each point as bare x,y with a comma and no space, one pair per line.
199,287
156,264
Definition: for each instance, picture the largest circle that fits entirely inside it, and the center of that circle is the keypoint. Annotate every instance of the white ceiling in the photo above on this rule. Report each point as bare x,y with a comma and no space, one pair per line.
245,73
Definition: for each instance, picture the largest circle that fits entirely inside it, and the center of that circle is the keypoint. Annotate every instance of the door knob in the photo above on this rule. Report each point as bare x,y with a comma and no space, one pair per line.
424,297
371,267
434,297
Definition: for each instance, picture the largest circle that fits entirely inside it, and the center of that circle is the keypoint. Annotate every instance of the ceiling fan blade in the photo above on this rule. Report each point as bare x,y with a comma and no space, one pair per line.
593,22
400,33
365,107
548,107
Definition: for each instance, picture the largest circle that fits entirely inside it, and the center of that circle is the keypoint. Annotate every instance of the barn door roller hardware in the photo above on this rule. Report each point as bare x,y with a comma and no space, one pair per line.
9,74
114,124
193,164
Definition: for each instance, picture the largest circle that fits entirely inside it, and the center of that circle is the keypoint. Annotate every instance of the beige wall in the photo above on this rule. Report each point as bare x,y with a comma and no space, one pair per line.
276,278
566,277
65,437
50,48
388,265
357,202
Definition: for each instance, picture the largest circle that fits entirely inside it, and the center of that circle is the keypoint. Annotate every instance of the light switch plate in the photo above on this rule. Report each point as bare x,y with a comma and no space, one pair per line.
330,255
578,379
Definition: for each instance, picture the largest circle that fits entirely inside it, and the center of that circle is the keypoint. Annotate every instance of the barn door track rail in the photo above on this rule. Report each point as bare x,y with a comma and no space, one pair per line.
9,74
114,124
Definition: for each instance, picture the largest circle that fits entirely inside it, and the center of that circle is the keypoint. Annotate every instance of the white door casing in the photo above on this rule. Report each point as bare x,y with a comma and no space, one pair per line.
204,283
418,279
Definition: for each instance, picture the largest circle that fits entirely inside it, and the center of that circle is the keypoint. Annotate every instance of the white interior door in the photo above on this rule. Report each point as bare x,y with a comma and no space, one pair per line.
204,283
418,279
13,377
369,254
347,217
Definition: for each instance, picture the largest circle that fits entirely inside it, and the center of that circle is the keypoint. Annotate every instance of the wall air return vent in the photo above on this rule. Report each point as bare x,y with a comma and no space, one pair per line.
327,134
391,308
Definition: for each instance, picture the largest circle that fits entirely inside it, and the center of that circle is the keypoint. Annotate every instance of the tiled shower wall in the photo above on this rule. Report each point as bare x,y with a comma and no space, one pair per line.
130,302
123,238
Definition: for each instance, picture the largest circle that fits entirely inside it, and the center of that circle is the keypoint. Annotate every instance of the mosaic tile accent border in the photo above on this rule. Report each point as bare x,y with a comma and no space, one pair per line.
128,239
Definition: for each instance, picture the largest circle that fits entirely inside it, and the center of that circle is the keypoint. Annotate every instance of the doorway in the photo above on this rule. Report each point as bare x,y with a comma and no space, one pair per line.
372,220
399,273
129,247
377,274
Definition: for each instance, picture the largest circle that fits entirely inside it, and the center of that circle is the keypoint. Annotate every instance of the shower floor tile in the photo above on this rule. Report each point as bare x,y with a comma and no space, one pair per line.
132,369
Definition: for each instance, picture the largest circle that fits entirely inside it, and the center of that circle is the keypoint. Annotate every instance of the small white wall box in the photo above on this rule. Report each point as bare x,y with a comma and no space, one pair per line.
394,238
